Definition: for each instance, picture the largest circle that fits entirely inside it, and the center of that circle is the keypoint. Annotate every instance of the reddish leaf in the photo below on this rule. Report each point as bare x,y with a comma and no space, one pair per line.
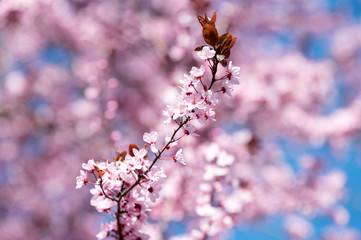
227,54
210,34
214,17
233,42
223,38
201,20
224,45
224,63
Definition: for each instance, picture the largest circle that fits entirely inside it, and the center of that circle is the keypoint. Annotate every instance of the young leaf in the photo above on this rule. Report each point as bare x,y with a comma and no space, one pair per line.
210,34
201,20
214,17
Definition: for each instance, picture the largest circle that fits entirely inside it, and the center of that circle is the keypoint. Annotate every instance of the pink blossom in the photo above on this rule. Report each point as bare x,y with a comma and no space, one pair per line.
205,210
298,228
337,233
133,163
180,111
102,203
89,166
224,159
104,232
226,88
186,91
190,129
169,113
96,191
194,101
209,114
340,216
178,157
210,97
82,179
151,138
189,80
233,73
153,191
206,53
197,72
212,171
139,154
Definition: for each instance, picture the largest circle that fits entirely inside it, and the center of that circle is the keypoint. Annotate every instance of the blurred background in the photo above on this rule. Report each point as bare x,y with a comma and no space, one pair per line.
79,78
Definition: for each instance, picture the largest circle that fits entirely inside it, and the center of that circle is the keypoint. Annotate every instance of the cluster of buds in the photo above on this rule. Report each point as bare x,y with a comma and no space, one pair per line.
125,187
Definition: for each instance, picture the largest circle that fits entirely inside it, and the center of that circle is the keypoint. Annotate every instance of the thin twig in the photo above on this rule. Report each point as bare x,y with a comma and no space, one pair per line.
105,195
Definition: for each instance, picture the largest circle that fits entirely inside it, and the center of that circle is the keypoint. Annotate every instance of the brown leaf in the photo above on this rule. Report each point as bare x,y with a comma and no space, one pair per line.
201,20
214,17
210,34
224,63
204,20
227,54
233,42
224,45
223,38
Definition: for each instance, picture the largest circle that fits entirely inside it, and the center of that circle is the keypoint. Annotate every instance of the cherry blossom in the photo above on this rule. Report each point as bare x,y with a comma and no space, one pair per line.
82,179
298,228
90,166
94,76
197,72
151,138
178,157
233,73
206,53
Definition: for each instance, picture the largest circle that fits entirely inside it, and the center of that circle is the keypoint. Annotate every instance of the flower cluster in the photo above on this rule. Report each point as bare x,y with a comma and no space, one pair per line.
196,100
92,75
233,175
125,187
110,191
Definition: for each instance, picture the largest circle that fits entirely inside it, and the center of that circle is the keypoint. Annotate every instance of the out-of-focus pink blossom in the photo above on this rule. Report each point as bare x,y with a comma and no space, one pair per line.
298,228
341,233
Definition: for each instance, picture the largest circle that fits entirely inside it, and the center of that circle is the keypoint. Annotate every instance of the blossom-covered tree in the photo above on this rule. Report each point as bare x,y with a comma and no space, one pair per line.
83,78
